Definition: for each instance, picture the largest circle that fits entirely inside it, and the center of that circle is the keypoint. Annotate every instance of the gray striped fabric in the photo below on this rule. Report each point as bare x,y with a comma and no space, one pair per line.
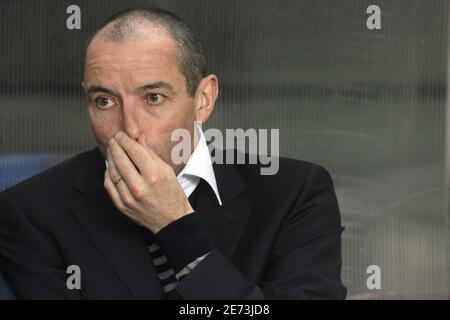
165,272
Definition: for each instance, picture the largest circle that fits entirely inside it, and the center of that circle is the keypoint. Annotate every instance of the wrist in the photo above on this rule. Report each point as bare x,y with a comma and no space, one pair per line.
155,228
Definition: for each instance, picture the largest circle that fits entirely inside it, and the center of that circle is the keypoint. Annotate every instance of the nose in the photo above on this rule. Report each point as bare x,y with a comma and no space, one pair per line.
131,121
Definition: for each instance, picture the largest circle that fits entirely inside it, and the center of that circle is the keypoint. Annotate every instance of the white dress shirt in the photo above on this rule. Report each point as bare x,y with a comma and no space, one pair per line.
199,166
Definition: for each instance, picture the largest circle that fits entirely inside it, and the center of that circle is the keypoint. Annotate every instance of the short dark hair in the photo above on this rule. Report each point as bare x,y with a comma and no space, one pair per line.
190,55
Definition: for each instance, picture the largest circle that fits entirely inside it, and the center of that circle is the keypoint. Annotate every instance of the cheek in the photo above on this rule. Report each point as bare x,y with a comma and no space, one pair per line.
159,137
103,124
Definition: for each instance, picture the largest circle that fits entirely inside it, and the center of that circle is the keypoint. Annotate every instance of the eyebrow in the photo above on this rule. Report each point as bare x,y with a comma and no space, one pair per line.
93,89
149,86
157,85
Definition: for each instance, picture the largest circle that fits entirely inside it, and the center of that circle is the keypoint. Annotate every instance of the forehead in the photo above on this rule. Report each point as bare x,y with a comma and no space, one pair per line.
150,52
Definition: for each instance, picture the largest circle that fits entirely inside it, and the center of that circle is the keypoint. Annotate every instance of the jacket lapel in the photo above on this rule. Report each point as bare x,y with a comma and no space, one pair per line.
225,223
121,242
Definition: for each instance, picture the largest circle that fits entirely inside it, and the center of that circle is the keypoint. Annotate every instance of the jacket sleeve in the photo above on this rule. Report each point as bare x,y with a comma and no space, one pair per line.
305,262
30,268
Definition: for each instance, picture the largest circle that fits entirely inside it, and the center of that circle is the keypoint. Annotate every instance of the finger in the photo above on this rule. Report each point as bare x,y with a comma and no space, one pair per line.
115,176
119,193
112,191
124,166
136,151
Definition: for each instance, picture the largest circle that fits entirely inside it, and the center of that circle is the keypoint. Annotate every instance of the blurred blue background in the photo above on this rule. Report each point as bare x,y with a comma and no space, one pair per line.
17,167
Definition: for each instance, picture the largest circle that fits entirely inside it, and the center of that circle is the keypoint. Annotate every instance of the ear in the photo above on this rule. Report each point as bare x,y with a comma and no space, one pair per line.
205,97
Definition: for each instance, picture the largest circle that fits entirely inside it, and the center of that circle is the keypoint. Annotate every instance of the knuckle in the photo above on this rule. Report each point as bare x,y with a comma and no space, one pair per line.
156,179
128,200
138,191
118,204
124,209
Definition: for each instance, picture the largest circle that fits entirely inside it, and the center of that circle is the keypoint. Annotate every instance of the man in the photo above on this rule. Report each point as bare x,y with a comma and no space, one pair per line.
135,224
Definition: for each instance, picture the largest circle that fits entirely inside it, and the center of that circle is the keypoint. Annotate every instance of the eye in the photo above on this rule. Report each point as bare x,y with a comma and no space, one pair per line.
155,98
103,102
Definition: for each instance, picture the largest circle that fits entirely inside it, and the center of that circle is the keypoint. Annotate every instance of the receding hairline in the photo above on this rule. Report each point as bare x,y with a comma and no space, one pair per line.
138,29
138,22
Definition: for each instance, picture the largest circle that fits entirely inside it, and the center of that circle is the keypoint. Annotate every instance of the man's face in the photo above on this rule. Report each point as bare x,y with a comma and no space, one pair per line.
136,86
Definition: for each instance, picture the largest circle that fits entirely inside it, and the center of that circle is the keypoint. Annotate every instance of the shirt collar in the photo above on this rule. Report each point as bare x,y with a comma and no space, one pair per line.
199,166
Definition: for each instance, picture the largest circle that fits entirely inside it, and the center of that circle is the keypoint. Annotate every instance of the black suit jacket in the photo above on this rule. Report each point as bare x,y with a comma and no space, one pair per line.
275,237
